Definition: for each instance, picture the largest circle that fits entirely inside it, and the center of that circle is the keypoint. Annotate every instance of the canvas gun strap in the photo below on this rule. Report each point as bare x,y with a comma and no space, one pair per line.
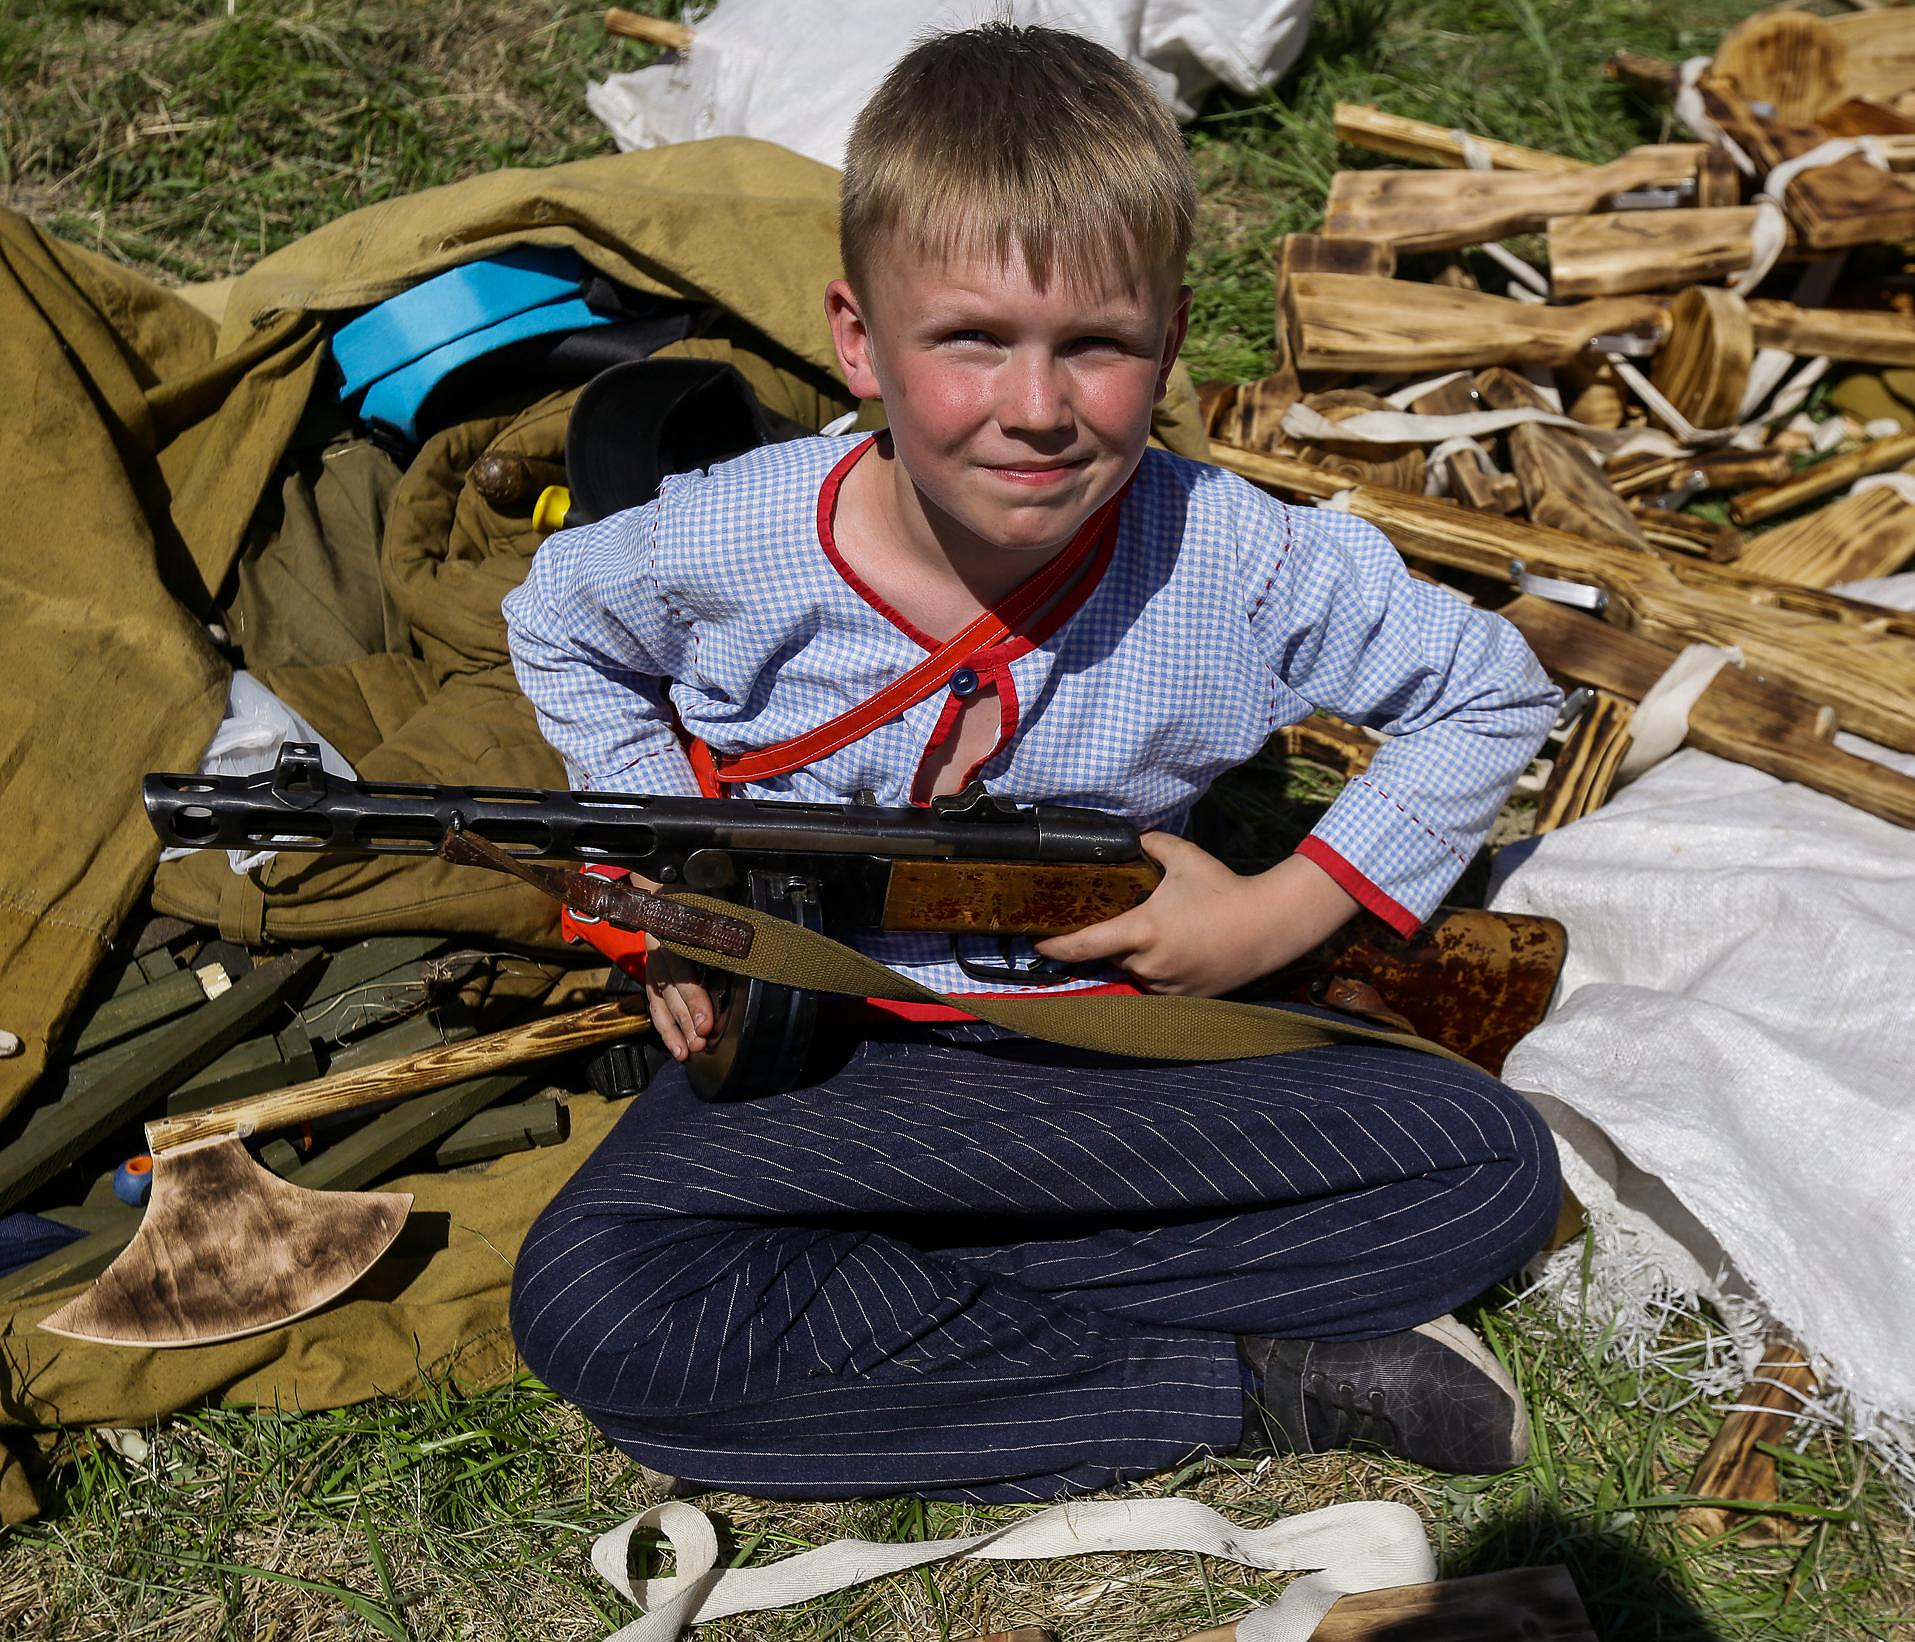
1153,1027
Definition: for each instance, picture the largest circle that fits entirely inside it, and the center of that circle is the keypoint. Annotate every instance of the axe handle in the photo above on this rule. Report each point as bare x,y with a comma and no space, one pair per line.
408,1075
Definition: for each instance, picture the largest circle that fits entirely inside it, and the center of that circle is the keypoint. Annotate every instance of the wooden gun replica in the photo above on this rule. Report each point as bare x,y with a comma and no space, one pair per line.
969,863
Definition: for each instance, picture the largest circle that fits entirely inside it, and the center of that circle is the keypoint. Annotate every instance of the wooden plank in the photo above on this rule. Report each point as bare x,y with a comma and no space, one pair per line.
1668,530
1733,1467
1563,483
1854,538
1584,770
1739,716
1881,52
1252,415
139,1008
59,1134
1857,658
1831,206
1643,474
1863,338
1823,479
1624,251
1442,210
501,1130
1360,126
1703,369
1514,1605
1353,322
1795,63
250,1068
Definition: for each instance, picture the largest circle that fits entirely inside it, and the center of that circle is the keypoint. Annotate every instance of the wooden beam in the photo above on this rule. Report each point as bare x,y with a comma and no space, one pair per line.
1862,338
1352,322
1585,769
652,31
1618,252
1358,125
1857,658
1831,206
1854,538
1823,479
1733,1467
1740,716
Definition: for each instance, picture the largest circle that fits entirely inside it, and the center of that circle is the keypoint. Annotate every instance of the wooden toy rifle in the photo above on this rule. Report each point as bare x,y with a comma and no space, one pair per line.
969,863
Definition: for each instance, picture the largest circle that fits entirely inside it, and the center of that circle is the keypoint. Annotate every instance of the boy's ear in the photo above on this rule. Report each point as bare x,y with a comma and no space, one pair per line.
851,336
1174,339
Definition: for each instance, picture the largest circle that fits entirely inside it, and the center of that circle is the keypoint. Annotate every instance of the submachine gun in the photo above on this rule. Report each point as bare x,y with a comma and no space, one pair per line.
969,863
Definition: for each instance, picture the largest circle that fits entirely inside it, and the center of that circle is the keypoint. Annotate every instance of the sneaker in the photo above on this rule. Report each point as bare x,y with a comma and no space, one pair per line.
1433,1394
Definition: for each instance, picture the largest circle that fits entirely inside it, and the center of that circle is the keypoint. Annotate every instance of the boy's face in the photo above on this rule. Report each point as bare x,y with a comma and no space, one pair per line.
1016,409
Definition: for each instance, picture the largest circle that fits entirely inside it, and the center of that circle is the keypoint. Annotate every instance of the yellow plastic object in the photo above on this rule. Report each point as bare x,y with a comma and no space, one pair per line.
548,512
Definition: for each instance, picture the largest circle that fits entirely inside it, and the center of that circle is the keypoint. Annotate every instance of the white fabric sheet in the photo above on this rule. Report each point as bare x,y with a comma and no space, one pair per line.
797,74
1729,1064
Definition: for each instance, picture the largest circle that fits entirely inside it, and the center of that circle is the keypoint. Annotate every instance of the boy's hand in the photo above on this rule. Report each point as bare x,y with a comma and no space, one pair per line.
681,1008
1207,930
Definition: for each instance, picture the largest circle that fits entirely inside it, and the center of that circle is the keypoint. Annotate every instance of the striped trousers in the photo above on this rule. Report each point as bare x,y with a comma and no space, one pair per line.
997,1270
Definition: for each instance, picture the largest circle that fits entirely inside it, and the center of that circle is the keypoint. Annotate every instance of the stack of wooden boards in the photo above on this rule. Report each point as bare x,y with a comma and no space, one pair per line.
179,1022
1626,431
1633,416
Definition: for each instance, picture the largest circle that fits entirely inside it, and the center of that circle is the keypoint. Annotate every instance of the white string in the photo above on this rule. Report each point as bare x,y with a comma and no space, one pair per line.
1532,285
1660,722
1361,1546
1691,112
1436,480
1475,156
1771,230
1903,484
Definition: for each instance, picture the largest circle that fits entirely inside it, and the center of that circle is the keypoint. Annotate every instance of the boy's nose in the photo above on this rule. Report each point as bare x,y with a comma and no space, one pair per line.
1033,399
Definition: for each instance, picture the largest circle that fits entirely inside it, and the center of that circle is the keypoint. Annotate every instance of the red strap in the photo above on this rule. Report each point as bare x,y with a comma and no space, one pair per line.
993,626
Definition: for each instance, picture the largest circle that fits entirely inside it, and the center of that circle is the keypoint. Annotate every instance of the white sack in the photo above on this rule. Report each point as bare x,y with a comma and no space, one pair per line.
257,724
797,74
1728,1067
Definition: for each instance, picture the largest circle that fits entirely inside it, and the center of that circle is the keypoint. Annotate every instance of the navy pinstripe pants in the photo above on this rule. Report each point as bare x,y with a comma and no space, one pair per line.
1004,1270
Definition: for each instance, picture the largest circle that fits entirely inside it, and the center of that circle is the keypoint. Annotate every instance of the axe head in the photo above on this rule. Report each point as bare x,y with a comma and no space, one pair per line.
226,1248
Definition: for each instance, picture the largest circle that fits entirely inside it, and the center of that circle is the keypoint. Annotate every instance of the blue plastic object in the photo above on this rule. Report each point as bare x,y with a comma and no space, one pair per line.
133,1180
448,306
395,401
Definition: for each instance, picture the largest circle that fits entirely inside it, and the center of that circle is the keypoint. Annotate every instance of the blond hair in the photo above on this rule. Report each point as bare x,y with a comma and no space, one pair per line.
1002,139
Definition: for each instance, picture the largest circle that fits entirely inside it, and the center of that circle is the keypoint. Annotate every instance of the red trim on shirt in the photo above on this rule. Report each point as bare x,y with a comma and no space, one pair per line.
1353,882
1028,614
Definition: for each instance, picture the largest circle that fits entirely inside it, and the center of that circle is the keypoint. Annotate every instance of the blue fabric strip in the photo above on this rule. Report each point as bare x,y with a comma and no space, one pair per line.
451,305
395,401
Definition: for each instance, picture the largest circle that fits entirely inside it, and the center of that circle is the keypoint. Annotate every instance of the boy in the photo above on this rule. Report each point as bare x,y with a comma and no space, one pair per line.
961,1264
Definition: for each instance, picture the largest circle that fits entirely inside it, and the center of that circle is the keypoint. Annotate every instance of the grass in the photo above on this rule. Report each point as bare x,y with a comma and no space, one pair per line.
188,139
470,1515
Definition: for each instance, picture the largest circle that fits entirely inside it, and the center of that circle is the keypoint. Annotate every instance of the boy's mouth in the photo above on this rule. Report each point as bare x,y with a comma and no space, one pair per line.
1035,474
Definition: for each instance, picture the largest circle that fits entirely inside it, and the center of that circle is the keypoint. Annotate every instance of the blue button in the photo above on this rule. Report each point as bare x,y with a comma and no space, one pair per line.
964,682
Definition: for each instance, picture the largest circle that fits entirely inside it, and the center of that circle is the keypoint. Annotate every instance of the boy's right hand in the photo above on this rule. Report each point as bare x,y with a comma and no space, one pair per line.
682,1011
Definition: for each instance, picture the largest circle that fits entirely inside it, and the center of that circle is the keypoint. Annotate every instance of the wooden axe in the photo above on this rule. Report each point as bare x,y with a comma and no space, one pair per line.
226,1248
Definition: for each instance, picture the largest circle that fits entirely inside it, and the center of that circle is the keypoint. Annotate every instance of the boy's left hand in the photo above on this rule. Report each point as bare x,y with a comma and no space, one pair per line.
1207,930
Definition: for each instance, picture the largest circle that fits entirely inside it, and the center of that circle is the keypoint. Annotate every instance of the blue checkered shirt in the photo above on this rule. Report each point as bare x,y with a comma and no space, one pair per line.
1223,615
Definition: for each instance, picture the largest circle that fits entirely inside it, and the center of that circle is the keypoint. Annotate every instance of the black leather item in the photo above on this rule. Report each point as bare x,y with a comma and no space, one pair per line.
638,422
1433,1395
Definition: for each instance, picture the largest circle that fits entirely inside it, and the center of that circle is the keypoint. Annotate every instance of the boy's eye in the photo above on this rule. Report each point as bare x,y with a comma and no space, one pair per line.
967,336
